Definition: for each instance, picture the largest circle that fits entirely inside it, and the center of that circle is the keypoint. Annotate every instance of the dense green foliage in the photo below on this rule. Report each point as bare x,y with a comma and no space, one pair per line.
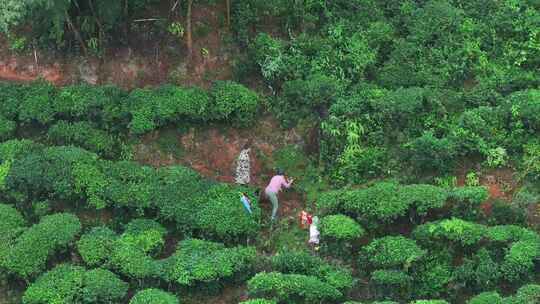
292,262
73,284
28,254
153,296
403,113
291,288
82,112
197,261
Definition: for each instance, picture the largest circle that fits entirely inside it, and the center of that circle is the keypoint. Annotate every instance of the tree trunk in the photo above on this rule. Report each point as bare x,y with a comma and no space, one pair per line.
126,21
189,39
101,30
77,33
228,2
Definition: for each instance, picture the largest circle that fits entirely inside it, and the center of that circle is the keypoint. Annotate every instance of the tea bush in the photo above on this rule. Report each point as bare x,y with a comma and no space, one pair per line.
84,135
258,301
291,288
133,250
432,277
391,279
10,219
424,197
7,127
233,102
221,215
340,228
486,297
301,262
455,231
519,260
201,262
73,284
102,286
96,246
466,201
153,296
28,255
382,202
391,251
115,110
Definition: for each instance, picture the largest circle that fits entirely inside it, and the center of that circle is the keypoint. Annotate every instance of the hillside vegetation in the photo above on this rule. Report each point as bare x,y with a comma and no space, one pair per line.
410,111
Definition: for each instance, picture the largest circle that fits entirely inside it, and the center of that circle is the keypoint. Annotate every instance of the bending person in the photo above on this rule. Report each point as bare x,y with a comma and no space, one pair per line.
274,187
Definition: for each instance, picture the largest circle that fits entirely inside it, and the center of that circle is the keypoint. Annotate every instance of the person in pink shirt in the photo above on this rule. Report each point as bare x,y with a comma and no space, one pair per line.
274,187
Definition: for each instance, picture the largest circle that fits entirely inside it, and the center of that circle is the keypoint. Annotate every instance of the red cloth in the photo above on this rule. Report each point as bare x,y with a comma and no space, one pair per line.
305,218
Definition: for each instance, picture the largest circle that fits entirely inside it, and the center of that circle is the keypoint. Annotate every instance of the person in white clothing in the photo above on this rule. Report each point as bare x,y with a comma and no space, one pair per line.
314,233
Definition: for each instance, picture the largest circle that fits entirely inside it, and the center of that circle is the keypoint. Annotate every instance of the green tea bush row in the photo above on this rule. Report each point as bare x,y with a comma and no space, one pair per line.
391,251
74,284
301,262
32,173
130,253
519,247
112,109
384,202
153,296
197,262
84,135
28,254
291,288
525,294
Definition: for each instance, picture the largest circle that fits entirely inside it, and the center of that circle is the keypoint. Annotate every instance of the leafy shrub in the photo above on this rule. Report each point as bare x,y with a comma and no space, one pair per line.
382,202
301,262
83,134
196,261
389,278
96,246
291,288
29,254
503,213
102,286
132,251
46,173
466,201
10,219
432,277
303,98
153,296
36,105
429,153
529,293
455,230
222,216
7,127
61,284
424,197
519,259
341,228
233,101
103,105
152,108
132,261
258,301
429,302
73,284
490,297
391,251
145,234
481,272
